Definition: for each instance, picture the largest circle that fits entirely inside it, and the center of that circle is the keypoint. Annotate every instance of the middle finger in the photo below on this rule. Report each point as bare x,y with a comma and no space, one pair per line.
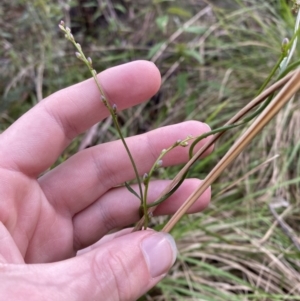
86,176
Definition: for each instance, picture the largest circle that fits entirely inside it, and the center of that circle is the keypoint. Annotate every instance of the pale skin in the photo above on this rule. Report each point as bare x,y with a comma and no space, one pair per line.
53,224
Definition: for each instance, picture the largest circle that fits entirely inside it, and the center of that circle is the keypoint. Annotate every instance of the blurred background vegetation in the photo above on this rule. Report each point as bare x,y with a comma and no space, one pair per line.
213,57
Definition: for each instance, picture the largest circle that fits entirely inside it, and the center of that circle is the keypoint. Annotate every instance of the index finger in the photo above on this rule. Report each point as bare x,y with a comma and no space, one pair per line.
35,141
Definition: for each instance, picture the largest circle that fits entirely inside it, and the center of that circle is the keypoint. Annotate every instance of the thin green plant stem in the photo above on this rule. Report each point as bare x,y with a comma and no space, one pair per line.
275,68
147,176
277,103
111,108
294,42
116,123
289,68
285,51
167,195
209,143
229,126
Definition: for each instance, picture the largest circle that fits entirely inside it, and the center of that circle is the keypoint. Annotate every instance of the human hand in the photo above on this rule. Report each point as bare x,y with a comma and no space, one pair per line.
45,221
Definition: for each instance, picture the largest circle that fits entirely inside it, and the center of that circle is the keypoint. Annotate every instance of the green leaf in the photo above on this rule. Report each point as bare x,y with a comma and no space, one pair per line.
160,1
154,49
178,11
182,82
194,54
181,48
191,102
162,22
89,4
120,7
195,29
130,189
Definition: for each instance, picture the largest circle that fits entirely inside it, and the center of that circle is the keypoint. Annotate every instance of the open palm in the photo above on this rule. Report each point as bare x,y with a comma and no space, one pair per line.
48,218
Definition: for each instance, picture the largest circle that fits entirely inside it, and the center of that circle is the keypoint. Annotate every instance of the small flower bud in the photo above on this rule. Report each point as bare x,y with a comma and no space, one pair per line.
95,74
103,99
158,164
284,44
177,142
164,151
114,107
78,55
145,178
184,144
62,23
61,27
78,46
90,61
68,29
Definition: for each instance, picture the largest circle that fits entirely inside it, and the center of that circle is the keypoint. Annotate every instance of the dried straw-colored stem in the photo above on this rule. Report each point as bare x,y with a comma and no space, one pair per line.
292,86
214,138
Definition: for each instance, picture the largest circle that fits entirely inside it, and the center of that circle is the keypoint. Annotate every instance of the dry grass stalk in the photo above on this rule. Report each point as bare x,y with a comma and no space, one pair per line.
290,88
210,142
285,227
247,175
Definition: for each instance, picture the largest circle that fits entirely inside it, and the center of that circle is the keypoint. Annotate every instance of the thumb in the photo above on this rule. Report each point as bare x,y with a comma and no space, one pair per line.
121,269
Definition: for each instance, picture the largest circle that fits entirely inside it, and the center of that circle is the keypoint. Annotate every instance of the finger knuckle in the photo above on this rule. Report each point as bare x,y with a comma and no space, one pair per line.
113,277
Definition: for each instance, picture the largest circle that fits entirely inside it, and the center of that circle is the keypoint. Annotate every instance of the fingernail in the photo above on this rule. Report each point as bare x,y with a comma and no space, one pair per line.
160,253
207,126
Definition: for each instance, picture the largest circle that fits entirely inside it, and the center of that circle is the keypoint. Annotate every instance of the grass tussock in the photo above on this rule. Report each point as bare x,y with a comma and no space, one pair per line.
213,58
